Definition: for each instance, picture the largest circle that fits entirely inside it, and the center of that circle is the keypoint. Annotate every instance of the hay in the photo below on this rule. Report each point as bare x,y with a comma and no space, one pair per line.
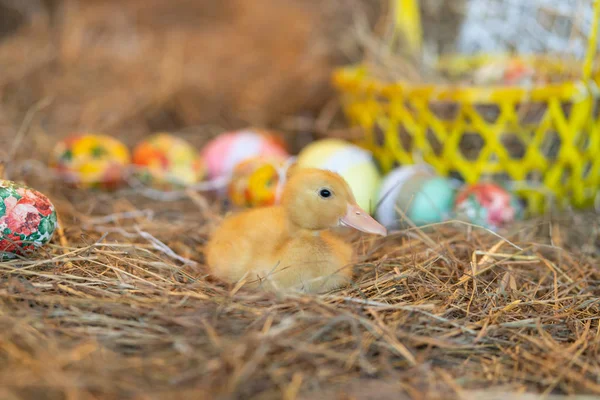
134,67
120,305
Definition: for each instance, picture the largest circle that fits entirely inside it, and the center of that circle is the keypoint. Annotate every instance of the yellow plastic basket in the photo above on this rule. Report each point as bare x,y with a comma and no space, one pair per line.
544,140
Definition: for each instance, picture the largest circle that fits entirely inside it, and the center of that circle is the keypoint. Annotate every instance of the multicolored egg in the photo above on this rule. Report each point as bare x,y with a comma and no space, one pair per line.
416,190
353,163
27,220
255,181
227,150
506,72
91,161
488,205
165,161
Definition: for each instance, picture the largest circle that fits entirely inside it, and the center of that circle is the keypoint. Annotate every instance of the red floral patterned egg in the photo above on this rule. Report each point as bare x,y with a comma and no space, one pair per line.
488,205
27,220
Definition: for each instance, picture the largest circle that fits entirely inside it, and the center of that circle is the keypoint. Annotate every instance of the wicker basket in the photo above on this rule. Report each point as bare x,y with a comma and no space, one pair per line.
542,140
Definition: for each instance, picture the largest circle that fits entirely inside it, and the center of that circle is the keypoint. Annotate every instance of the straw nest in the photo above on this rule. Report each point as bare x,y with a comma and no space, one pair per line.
120,305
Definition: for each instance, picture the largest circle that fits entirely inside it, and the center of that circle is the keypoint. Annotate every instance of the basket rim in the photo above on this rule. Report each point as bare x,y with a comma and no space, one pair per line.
355,78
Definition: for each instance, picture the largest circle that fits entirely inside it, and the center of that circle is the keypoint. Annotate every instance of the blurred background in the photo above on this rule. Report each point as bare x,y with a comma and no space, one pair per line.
136,66
198,68
133,67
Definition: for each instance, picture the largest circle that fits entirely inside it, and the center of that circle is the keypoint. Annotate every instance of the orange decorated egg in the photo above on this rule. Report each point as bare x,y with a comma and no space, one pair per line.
166,161
255,181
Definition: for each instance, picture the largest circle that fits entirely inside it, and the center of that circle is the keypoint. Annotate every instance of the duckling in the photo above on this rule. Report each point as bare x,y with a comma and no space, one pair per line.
291,245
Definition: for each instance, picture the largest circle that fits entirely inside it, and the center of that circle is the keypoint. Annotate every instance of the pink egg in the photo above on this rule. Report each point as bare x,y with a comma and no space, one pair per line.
227,150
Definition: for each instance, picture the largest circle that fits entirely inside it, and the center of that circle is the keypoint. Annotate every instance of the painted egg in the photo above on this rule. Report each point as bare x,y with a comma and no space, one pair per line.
255,182
505,72
166,161
227,150
27,220
488,205
91,161
353,163
518,72
415,189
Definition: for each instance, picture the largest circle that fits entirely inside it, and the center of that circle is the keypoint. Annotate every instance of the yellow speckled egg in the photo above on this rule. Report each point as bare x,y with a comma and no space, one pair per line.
166,161
255,181
91,161
353,163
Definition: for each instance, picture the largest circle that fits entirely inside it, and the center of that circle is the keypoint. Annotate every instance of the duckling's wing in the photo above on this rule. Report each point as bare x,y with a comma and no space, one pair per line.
313,263
243,243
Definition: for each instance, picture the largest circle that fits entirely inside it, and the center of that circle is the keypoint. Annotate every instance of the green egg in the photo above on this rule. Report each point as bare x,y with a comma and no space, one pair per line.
433,202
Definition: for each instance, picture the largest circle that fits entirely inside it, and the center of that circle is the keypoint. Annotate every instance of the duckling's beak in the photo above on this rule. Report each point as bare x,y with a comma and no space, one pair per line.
358,218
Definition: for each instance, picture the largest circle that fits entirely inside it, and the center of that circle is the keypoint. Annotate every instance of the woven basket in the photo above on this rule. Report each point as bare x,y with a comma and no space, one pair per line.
542,140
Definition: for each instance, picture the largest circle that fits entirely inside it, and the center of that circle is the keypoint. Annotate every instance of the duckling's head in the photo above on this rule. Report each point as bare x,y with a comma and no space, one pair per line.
317,199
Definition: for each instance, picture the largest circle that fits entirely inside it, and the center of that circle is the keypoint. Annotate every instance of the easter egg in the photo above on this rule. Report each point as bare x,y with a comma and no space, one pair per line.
255,181
166,161
415,189
353,163
27,219
432,202
488,205
91,161
227,150
391,185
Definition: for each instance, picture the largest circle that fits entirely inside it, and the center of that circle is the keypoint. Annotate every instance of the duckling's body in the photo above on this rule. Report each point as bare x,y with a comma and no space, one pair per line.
289,246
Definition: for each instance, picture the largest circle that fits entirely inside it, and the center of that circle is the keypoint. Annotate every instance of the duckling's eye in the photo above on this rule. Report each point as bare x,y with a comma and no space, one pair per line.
324,193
